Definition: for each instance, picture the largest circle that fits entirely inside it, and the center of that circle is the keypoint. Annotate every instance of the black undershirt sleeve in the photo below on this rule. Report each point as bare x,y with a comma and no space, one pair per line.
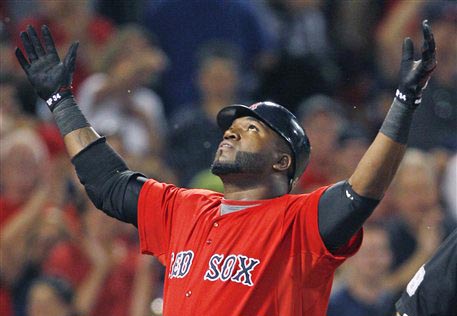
341,214
110,185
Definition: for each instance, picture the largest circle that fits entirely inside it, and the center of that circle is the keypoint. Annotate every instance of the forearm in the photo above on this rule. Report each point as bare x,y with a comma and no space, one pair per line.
376,169
100,169
398,279
14,235
79,139
26,218
143,287
73,125
378,166
88,292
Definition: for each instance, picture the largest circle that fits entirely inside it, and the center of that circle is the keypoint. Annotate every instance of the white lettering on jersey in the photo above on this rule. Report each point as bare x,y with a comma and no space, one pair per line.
415,281
180,264
220,269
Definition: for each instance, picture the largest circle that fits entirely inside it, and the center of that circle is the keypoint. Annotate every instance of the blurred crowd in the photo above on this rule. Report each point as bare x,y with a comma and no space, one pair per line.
152,75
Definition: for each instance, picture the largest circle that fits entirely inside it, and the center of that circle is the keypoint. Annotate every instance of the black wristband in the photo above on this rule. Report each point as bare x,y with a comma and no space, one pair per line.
397,123
68,116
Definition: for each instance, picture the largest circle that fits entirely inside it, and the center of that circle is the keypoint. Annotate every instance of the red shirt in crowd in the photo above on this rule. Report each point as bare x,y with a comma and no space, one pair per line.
69,262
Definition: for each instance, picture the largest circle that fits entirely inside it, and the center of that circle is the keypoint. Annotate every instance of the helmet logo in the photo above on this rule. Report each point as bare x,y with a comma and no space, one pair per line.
254,106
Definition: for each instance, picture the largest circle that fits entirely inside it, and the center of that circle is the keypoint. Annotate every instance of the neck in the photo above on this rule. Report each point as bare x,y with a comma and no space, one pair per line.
253,188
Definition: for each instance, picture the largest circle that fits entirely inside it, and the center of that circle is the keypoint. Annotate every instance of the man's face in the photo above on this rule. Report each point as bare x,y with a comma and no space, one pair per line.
249,147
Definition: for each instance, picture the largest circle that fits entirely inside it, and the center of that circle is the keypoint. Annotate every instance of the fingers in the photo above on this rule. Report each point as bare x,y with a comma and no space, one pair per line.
22,60
408,50
28,46
428,47
35,41
70,58
48,40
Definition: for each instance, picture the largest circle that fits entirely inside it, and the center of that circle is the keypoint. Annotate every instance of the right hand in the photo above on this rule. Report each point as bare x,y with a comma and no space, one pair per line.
44,69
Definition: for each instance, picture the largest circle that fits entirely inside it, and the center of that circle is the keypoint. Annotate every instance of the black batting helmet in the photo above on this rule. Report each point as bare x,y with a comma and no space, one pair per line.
279,119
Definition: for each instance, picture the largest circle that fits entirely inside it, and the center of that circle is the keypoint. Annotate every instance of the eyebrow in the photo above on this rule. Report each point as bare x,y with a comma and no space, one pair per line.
253,119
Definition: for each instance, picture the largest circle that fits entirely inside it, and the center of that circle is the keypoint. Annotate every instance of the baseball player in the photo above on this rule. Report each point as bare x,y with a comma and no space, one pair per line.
256,249
433,289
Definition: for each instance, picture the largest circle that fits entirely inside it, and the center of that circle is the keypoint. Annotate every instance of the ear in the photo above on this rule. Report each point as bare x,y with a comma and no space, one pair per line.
283,163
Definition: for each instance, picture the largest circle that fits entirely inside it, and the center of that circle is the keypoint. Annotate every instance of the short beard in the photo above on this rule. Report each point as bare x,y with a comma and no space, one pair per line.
245,162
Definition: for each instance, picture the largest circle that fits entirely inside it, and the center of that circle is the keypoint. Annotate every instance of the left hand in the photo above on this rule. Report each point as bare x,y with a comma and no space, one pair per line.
414,74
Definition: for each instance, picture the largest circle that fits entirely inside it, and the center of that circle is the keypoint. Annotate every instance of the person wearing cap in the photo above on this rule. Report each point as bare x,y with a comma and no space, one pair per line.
254,249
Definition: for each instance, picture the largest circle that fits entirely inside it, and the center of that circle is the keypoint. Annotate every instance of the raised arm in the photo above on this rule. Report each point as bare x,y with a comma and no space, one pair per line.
344,207
111,186
379,164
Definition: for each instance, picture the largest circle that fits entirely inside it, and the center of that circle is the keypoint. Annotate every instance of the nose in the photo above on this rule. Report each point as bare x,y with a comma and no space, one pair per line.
230,133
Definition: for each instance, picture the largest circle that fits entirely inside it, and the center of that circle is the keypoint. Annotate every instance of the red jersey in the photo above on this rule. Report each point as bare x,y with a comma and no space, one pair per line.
267,259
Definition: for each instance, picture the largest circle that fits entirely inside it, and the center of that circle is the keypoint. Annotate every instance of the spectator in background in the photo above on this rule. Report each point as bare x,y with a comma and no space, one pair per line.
31,218
305,64
104,268
362,291
434,124
23,159
449,186
50,296
73,19
194,134
351,25
323,119
117,98
353,142
10,109
420,224
182,27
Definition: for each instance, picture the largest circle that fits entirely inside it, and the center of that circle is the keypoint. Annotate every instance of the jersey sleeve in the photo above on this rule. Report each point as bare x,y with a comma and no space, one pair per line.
308,220
157,207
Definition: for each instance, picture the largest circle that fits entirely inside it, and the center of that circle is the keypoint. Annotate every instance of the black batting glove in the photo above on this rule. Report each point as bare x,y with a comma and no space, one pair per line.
414,74
50,77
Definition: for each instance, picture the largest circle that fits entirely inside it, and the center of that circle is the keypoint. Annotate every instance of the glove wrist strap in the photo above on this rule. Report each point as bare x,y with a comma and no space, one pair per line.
55,99
409,99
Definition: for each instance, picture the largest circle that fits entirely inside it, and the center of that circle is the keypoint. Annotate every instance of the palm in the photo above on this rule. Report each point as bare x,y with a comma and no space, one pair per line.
46,72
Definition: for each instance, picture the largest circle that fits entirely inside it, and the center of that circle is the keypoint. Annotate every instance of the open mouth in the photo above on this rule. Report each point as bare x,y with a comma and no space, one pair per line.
225,145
